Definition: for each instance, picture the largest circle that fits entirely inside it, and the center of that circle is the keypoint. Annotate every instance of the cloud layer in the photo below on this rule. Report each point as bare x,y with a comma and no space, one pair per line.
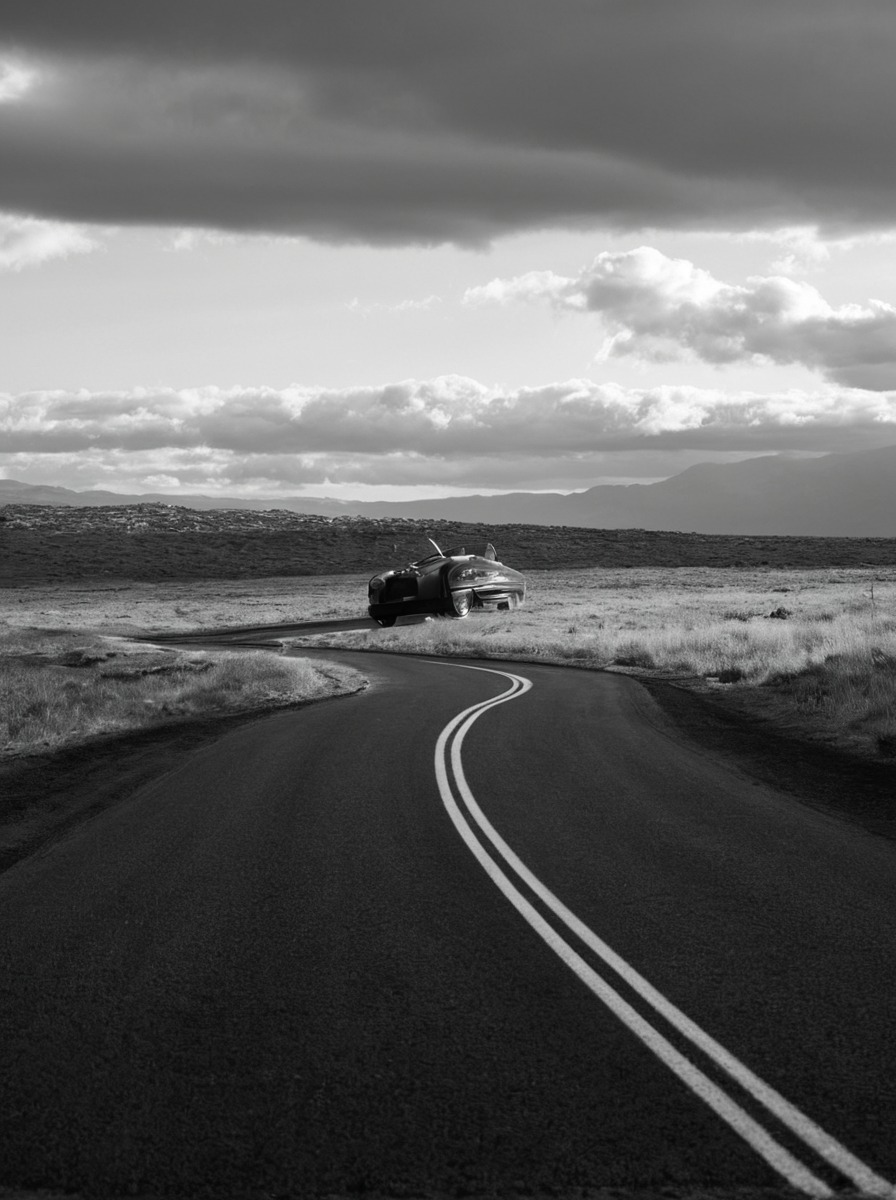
453,120
449,431
659,309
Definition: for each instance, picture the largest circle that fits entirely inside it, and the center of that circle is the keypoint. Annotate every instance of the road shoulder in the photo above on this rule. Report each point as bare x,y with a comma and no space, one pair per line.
46,795
825,777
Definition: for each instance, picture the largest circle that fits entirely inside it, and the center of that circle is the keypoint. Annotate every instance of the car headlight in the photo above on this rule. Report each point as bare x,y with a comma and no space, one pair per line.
474,575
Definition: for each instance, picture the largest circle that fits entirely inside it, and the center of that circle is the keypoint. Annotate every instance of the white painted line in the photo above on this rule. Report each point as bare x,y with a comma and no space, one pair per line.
776,1155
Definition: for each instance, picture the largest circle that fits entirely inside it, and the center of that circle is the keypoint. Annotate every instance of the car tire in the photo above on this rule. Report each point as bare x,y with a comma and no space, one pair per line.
461,603
386,622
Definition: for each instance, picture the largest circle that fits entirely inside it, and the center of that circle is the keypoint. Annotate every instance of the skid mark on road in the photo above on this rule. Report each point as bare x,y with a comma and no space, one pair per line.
464,812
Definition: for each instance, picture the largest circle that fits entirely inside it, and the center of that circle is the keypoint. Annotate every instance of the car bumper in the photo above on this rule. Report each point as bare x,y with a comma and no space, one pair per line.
400,608
497,599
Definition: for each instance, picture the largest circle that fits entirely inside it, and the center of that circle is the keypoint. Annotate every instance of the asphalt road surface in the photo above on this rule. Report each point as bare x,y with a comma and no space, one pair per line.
472,931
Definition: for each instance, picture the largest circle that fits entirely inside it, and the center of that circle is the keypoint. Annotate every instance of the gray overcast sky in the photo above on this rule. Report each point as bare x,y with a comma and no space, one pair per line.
348,246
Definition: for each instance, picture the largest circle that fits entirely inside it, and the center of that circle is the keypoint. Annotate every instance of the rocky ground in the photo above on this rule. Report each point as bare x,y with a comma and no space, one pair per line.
50,543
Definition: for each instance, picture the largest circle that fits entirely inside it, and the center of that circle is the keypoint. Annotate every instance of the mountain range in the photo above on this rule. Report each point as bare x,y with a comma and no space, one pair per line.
835,495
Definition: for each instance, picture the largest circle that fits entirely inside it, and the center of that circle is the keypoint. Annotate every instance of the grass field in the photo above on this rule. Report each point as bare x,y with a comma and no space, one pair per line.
62,688
823,665
815,651
136,607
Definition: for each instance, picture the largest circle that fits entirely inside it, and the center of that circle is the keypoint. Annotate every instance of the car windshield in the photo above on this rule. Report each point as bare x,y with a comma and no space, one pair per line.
479,549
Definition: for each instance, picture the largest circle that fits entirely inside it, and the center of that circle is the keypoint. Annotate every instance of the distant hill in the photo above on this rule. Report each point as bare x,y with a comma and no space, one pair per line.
14,491
836,495
44,543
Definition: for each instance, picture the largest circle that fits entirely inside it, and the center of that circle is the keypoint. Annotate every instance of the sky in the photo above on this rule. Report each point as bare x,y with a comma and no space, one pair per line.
389,249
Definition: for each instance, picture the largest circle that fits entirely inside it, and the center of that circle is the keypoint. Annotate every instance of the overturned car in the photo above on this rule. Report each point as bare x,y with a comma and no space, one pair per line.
449,583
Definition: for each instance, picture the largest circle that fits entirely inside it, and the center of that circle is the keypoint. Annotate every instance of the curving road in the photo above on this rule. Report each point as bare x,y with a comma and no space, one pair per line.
475,930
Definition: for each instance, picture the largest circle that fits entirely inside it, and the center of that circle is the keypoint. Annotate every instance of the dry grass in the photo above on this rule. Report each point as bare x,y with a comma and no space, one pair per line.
62,688
826,663
135,608
828,666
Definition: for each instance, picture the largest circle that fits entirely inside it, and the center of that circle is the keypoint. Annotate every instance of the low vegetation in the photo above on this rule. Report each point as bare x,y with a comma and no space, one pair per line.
158,542
815,650
178,606
811,650
60,688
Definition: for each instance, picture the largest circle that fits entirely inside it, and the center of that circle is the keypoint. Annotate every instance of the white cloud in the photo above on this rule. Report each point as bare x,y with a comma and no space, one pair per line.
449,417
442,433
533,286
402,306
191,239
660,309
802,248
26,241
16,80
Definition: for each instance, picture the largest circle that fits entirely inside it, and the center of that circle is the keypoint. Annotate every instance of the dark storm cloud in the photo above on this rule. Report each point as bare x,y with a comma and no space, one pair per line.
401,121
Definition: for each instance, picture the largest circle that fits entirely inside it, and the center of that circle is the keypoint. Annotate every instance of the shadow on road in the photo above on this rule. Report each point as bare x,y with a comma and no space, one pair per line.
259,635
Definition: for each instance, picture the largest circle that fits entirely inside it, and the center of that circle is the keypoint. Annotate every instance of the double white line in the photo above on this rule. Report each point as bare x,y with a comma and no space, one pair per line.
465,813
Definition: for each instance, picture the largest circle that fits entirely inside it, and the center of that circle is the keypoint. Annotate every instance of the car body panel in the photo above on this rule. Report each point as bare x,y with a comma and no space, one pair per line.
440,583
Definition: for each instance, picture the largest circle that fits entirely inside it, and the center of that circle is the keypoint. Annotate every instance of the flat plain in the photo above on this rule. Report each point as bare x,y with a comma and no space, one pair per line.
812,650
789,642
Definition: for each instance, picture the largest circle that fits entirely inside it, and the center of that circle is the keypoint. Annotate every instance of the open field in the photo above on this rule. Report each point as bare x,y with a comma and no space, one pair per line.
63,688
814,651
824,666
182,605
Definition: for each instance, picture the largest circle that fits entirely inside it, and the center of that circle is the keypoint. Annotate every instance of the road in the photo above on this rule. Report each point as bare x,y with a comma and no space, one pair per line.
471,931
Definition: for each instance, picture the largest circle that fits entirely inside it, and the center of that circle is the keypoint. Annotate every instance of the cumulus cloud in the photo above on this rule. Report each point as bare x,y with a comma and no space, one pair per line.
26,242
660,309
451,430
400,122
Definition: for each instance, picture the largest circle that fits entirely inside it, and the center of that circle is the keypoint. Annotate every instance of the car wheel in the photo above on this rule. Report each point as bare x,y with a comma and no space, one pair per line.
386,622
461,602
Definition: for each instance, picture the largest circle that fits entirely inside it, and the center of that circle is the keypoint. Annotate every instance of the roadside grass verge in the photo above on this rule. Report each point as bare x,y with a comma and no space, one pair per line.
834,678
821,666
62,688
815,651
